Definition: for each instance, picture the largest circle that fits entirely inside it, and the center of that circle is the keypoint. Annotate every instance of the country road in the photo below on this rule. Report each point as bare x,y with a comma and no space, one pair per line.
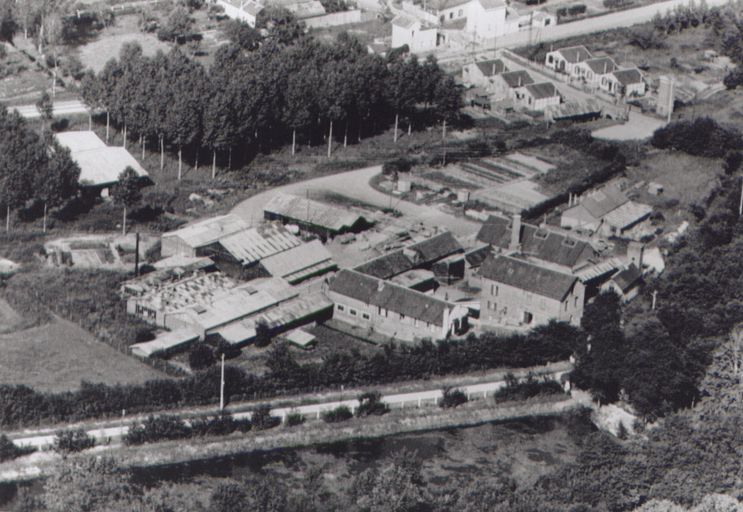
61,108
112,430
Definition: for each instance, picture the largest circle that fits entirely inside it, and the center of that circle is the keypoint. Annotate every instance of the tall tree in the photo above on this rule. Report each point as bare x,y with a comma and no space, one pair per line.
127,192
60,182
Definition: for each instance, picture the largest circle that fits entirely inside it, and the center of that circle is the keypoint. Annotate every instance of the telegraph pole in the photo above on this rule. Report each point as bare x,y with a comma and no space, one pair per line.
221,387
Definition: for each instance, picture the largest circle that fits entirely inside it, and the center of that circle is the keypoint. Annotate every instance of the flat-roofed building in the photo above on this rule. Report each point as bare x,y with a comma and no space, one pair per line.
192,239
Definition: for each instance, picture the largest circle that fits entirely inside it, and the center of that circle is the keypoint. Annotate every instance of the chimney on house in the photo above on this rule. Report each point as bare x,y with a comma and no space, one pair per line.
380,285
604,67
515,233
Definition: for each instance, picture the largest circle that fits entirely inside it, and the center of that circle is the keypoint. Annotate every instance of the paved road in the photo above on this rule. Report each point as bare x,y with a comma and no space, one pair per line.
61,108
355,185
44,439
587,26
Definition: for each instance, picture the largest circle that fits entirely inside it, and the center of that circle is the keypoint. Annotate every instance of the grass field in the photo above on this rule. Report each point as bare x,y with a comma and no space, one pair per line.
58,355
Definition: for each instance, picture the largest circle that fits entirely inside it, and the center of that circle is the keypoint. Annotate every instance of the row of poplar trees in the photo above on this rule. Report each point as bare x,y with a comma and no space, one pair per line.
248,101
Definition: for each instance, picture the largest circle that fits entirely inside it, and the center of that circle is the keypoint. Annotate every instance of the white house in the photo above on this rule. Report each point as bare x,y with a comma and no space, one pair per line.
564,60
480,74
592,71
243,10
624,83
410,31
485,18
506,84
538,96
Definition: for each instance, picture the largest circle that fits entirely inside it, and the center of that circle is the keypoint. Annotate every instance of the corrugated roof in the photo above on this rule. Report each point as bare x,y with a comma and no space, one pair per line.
601,65
542,90
210,230
99,164
166,342
517,78
527,276
574,54
628,76
392,297
313,212
627,214
310,256
301,8
574,109
491,67
254,244
538,243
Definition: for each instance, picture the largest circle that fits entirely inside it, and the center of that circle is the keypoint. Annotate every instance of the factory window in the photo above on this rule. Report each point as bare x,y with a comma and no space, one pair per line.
365,316
340,307
352,311
528,317
451,15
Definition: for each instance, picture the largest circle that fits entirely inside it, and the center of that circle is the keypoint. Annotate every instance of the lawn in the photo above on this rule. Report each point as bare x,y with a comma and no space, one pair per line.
57,356
22,79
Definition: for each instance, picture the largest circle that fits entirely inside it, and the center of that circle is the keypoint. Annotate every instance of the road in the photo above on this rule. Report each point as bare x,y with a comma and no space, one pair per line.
620,19
355,185
61,108
113,431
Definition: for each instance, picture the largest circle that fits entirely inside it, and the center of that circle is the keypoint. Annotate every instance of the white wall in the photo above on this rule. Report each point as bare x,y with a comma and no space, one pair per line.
236,13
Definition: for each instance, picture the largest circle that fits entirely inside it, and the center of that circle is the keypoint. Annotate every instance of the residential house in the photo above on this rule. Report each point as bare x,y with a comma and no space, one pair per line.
542,246
414,33
607,211
315,217
100,165
393,310
518,293
538,96
593,71
564,60
480,74
626,283
243,10
486,18
624,83
192,239
302,9
506,84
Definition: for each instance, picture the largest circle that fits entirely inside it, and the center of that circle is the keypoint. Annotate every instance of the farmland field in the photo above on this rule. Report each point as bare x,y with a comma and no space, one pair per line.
57,356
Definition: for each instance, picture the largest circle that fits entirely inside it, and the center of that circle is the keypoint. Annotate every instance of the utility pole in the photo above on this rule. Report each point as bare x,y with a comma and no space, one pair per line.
655,295
221,387
740,204
136,256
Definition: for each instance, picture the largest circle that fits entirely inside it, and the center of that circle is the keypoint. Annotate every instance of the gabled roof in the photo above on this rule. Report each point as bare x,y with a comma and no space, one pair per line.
440,5
627,278
436,247
392,297
491,67
528,277
404,21
603,201
538,243
627,214
312,212
628,76
574,54
209,230
386,266
601,65
489,5
426,252
254,244
476,256
542,90
517,78
300,262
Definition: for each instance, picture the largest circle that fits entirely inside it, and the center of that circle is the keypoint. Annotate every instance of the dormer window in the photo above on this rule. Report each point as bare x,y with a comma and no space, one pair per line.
540,234
569,242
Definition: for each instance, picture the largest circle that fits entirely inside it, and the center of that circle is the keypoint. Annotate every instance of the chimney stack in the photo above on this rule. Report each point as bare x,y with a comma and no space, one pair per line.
515,233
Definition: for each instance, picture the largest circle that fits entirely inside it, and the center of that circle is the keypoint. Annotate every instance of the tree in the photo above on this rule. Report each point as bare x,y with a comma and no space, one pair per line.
8,24
127,192
200,356
9,450
261,418
396,487
71,441
228,497
370,403
179,26
452,398
242,35
263,334
280,23
45,106
60,182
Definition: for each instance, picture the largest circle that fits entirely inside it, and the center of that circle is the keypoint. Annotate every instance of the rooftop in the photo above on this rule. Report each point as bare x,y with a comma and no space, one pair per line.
518,78
601,65
255,244
542,90
404,21
627,214
602,201
300,262
313,212
628,76
528,276
166,342
210,230
392,297
574,54
491,67
628,277
99,164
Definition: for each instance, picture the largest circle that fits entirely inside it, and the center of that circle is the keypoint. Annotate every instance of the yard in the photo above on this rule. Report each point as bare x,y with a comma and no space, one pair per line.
56,356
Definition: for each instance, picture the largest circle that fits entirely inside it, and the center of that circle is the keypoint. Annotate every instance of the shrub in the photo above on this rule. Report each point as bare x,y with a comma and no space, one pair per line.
294,418
9,450
261,418
219,425
733,79
397,166
370,403
229,350
157,428
702,136
515,390
575,10
452,398
263,333
71,441
200,356
616,4
340,413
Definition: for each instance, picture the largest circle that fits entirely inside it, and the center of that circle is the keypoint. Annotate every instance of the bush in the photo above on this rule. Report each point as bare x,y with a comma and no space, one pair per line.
340,413
200,356
71,441
370,403
515,390
219,425
452,398
397,166
9,450
616,4
294,418
702,136
229,350
263,333
733,79
261,418
157,428
575,10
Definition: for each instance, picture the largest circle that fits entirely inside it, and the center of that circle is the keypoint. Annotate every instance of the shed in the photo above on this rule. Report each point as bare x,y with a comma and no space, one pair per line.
189,240
314,216
300,263
301,338
166,344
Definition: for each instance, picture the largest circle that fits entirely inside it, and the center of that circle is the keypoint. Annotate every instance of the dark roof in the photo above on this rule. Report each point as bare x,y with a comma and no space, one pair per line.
601,65
397,262
627,278
535,242
628,76
476,256
384,294
491,67
575,54
603,201
518,78
542,90
527,276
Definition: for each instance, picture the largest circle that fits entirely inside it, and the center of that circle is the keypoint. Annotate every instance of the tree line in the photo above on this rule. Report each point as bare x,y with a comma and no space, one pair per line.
249,101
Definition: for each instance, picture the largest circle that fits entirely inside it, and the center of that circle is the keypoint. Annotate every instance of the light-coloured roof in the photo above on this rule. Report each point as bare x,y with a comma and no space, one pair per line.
166,342
248,6
490,5
99,164
413,278
404,21
312,212
248,246
300,262
300,338
602,201
179,260
210,230
627,214
301,8
574,54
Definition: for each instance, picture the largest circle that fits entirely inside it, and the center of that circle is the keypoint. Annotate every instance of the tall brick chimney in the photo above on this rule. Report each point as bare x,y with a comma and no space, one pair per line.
515,233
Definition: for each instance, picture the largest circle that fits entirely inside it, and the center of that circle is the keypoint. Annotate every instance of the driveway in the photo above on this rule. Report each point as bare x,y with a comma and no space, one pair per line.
61,108
355,185
638,127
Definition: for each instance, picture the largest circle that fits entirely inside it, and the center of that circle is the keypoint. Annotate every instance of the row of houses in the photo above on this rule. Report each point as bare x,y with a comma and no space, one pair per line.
601,72
247,10
492,79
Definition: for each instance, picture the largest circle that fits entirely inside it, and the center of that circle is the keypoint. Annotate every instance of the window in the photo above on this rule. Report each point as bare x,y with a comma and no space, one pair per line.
461,12
566,305
496,291
550,59
528,317
352,311
365,316
451,15
529,100
576,302
492,288
340,307
402,317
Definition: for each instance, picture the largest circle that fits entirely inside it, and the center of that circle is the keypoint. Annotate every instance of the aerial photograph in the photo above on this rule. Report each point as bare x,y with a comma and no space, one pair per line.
371,255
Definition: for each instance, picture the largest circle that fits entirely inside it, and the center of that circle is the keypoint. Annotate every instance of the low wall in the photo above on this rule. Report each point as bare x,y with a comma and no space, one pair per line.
339,18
